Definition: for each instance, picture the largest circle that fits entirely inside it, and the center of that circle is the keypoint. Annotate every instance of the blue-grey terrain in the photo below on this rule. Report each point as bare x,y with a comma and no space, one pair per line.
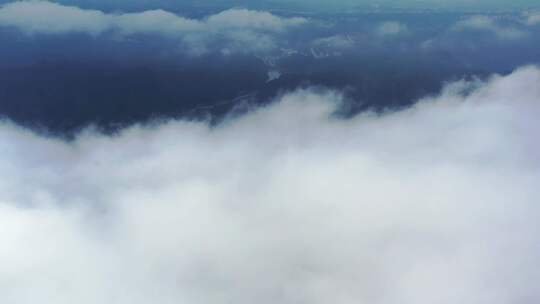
62,81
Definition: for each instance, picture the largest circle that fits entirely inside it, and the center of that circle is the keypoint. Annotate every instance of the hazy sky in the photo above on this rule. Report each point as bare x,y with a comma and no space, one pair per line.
310,5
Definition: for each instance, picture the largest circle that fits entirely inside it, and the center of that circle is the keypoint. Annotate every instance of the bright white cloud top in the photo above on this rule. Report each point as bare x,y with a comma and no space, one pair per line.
434,204
242,29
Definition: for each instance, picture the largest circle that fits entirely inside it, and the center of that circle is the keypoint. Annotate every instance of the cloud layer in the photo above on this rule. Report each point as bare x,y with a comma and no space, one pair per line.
532,18
391,28
489,24
288,204
241,29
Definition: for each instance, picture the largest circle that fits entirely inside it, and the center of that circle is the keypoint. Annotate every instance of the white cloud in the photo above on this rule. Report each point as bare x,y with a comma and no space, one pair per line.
390,28
242,18
532,18
338,42
488,24
433,204
48,17
241,29
273,75
331,46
